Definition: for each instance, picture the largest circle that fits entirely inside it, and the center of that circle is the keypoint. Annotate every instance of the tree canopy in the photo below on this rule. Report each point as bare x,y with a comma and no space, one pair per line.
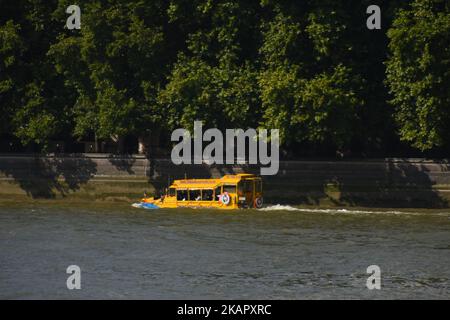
309,68
418,73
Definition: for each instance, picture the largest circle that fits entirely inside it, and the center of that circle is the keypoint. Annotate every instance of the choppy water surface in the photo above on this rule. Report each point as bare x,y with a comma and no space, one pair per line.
276,253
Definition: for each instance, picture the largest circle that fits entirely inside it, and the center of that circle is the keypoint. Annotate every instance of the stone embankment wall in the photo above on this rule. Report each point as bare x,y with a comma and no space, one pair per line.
380,183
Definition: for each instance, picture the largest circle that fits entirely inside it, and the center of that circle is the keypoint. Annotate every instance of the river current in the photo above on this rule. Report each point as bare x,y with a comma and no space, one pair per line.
279,252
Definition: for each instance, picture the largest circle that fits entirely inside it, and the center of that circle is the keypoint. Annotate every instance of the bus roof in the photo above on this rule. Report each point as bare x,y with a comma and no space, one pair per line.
212,183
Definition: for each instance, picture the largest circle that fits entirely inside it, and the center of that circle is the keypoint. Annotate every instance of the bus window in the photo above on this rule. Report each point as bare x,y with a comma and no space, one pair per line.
207,195
229,188
245,187
172,192
218,192
248,186
241,187
182,195
194,195
258,186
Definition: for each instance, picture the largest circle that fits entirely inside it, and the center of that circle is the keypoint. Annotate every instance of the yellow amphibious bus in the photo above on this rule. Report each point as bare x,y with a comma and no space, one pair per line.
229,192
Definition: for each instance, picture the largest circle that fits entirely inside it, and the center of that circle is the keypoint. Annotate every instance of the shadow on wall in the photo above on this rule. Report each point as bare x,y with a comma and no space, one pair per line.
400,184
390,183
383,183
123,162
48,177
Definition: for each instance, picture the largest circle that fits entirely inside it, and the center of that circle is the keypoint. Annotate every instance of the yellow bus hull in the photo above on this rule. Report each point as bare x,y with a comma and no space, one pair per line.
227,193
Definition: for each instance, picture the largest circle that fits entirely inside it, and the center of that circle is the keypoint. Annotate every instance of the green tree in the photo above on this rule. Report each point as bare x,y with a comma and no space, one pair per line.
12,48
310,68
309,90
31,92
215,77
418,73
113,66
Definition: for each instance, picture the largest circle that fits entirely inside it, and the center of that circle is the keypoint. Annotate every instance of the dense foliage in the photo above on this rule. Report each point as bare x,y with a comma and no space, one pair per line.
310,68
418,73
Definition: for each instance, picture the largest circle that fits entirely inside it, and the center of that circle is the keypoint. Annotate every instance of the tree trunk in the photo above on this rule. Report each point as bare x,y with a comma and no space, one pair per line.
95,143
144,144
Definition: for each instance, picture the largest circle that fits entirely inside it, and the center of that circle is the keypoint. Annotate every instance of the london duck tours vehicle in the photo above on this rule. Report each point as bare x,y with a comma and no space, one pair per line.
229,192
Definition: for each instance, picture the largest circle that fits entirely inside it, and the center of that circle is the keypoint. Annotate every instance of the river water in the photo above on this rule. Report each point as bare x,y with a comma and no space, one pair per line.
277,253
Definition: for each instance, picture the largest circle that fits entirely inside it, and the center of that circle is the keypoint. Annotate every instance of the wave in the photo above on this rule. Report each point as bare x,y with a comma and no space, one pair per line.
290,208
280,207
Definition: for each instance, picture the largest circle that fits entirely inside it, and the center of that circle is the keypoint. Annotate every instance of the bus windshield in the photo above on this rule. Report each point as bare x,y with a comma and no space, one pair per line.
229,188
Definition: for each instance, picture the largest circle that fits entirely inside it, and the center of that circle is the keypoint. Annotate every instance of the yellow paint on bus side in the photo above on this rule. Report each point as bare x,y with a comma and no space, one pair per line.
228,192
